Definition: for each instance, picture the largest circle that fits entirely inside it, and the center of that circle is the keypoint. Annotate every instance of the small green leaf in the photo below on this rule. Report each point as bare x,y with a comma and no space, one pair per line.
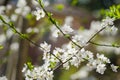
11,24
114,44
67,35
30,66
52,64
24,35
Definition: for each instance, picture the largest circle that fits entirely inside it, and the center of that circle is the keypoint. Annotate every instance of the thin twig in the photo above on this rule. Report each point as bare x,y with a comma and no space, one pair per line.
107,45
64,62
96,34
21,35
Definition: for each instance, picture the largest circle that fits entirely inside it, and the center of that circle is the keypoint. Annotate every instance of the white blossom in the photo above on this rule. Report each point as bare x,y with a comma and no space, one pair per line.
21,3
114,30
14,46
39,13
39,73
2,38
68,20
107,22
92,64
30,30
45,47
14,17
95,26
45,2
101,68
103,58
22,8
79,39
2,9
54,32
114,68
24,68
66,29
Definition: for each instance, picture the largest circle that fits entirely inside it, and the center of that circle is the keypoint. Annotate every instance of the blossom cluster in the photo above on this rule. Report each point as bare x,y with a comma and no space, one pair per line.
38,73
74,52
67,55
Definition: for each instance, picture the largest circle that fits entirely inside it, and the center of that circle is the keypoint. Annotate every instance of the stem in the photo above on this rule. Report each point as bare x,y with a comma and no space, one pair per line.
107,45
96,34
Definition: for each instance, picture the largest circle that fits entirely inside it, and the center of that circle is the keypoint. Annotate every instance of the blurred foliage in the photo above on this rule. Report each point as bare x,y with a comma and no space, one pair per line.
30,66
89,4
93,4
114,11
1,47
59,7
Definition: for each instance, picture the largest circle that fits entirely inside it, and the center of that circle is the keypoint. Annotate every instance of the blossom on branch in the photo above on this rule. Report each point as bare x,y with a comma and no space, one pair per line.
39,13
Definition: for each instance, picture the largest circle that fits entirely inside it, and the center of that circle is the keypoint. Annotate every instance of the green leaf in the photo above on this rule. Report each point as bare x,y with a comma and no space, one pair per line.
114,12
30,66
52,64
24,35
67,35
74,2
114,44
11,24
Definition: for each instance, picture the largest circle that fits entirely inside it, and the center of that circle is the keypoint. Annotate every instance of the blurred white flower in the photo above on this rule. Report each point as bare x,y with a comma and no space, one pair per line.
45,47
9,33
79,39
24,68
66,29
2,38
22,8
114,68
14,46
14,17
2,9
3,78
95,26
35,30
68,20
9,7
39,13
107,21
21,3
45,2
